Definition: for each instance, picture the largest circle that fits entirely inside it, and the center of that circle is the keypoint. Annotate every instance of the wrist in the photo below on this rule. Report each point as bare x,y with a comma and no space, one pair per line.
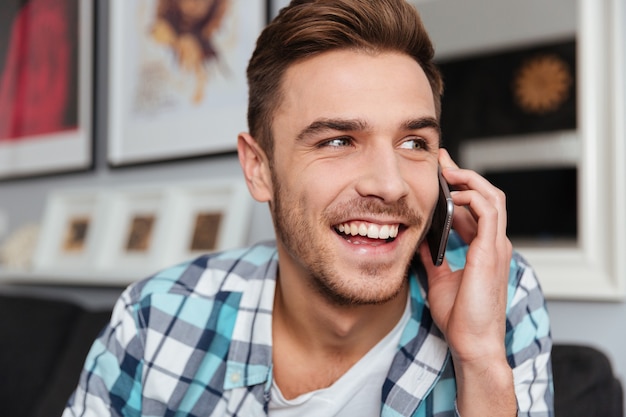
479,352
495,368
485,388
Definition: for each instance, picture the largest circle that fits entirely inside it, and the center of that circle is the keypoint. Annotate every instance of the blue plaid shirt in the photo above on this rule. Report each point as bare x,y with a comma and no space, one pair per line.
195,340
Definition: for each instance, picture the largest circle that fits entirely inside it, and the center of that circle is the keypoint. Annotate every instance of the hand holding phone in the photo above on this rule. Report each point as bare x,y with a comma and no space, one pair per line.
437,235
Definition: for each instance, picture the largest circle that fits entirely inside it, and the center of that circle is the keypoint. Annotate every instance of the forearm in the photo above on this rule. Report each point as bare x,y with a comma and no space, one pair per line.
485,389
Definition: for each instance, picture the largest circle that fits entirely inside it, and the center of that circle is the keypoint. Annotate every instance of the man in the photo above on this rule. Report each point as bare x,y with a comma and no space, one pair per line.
339,317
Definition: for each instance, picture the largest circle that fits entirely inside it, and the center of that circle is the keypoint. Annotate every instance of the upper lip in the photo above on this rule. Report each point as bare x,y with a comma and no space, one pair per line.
373,220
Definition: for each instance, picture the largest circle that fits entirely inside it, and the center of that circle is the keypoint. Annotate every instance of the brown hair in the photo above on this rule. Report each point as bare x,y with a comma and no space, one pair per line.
307,28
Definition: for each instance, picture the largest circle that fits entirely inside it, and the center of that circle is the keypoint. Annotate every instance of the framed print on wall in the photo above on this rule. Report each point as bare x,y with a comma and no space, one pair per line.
72,224
177,77
135,236
46,52
210,216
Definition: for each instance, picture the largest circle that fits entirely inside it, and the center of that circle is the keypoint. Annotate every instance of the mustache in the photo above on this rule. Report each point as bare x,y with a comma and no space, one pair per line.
368,206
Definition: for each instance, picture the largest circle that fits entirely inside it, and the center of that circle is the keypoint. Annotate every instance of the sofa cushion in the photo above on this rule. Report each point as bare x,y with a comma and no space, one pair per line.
34,334
584,384
64,378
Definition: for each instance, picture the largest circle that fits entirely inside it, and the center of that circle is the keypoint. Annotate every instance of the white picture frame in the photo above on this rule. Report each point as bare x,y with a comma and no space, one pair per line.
596,268
68,237
211,216
63,148
157,109
136,231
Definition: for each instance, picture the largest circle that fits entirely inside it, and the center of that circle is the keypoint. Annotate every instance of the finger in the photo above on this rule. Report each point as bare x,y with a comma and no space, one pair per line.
447,164
464,223
445,160
484,213
465,180
487,235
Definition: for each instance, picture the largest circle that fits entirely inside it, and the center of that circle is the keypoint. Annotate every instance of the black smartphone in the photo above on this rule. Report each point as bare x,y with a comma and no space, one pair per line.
437,236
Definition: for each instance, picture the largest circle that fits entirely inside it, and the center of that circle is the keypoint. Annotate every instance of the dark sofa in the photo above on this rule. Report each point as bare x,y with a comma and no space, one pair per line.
43,344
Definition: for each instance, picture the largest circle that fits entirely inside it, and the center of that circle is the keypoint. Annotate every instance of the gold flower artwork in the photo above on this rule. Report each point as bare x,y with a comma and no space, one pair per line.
542,84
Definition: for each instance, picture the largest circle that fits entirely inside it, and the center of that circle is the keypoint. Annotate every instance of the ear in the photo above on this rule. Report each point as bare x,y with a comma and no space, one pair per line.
255,167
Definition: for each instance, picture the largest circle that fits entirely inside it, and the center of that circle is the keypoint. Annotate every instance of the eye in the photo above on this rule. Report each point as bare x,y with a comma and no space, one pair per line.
415,143
336,143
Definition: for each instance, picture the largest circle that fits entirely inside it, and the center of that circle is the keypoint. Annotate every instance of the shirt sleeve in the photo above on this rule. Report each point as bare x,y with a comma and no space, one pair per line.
529,342
110,383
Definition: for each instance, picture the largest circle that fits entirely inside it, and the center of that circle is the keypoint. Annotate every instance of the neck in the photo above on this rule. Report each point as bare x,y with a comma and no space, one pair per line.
315,341
321,324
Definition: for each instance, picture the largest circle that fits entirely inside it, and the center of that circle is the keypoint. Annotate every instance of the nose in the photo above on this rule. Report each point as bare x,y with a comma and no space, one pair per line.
381,175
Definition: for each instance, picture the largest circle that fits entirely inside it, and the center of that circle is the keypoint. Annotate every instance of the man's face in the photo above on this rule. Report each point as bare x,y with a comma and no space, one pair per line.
355,172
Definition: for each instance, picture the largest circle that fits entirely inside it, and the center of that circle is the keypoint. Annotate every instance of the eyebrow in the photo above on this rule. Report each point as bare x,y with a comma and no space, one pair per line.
341,125
423,123
352,125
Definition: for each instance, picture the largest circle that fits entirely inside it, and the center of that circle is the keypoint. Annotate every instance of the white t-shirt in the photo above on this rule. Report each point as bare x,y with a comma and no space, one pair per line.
356,393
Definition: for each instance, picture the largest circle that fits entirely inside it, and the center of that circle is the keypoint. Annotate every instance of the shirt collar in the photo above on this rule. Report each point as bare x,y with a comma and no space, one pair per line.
422,355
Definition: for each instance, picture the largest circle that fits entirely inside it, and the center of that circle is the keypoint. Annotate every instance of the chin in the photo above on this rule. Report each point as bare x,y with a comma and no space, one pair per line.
374,284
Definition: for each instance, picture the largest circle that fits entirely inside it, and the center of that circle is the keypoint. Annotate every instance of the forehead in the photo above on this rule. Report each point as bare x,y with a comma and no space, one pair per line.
356,84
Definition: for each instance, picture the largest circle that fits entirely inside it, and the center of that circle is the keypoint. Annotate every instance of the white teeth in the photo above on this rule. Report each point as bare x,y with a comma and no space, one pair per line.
372,231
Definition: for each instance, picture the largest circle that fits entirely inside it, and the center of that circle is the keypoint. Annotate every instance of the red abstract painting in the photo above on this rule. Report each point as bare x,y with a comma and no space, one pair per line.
38,78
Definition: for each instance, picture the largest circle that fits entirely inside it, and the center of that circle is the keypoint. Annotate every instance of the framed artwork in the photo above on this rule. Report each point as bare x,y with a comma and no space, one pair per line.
512,92
177,77
559,131
72,223
210,216
134,241
45,86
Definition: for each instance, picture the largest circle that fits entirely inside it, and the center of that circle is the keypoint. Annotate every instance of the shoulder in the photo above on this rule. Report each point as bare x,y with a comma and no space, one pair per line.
208,275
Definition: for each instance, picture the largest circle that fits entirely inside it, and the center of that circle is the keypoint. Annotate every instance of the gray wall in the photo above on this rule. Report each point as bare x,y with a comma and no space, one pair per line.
598,324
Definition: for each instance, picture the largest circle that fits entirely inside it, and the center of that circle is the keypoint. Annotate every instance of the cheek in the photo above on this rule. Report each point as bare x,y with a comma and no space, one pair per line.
317,183
426,194
314,195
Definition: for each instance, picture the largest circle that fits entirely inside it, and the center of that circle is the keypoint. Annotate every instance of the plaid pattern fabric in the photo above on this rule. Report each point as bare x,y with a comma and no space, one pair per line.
195,340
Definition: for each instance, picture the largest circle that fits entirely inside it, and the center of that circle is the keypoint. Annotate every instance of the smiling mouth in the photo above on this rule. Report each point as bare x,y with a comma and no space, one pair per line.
381,233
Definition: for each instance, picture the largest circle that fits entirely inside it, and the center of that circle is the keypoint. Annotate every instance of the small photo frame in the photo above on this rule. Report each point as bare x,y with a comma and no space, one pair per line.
117,235
134,238
71,226
210,216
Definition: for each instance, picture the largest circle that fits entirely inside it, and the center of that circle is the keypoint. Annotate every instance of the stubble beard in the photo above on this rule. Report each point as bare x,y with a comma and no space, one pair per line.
317,259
